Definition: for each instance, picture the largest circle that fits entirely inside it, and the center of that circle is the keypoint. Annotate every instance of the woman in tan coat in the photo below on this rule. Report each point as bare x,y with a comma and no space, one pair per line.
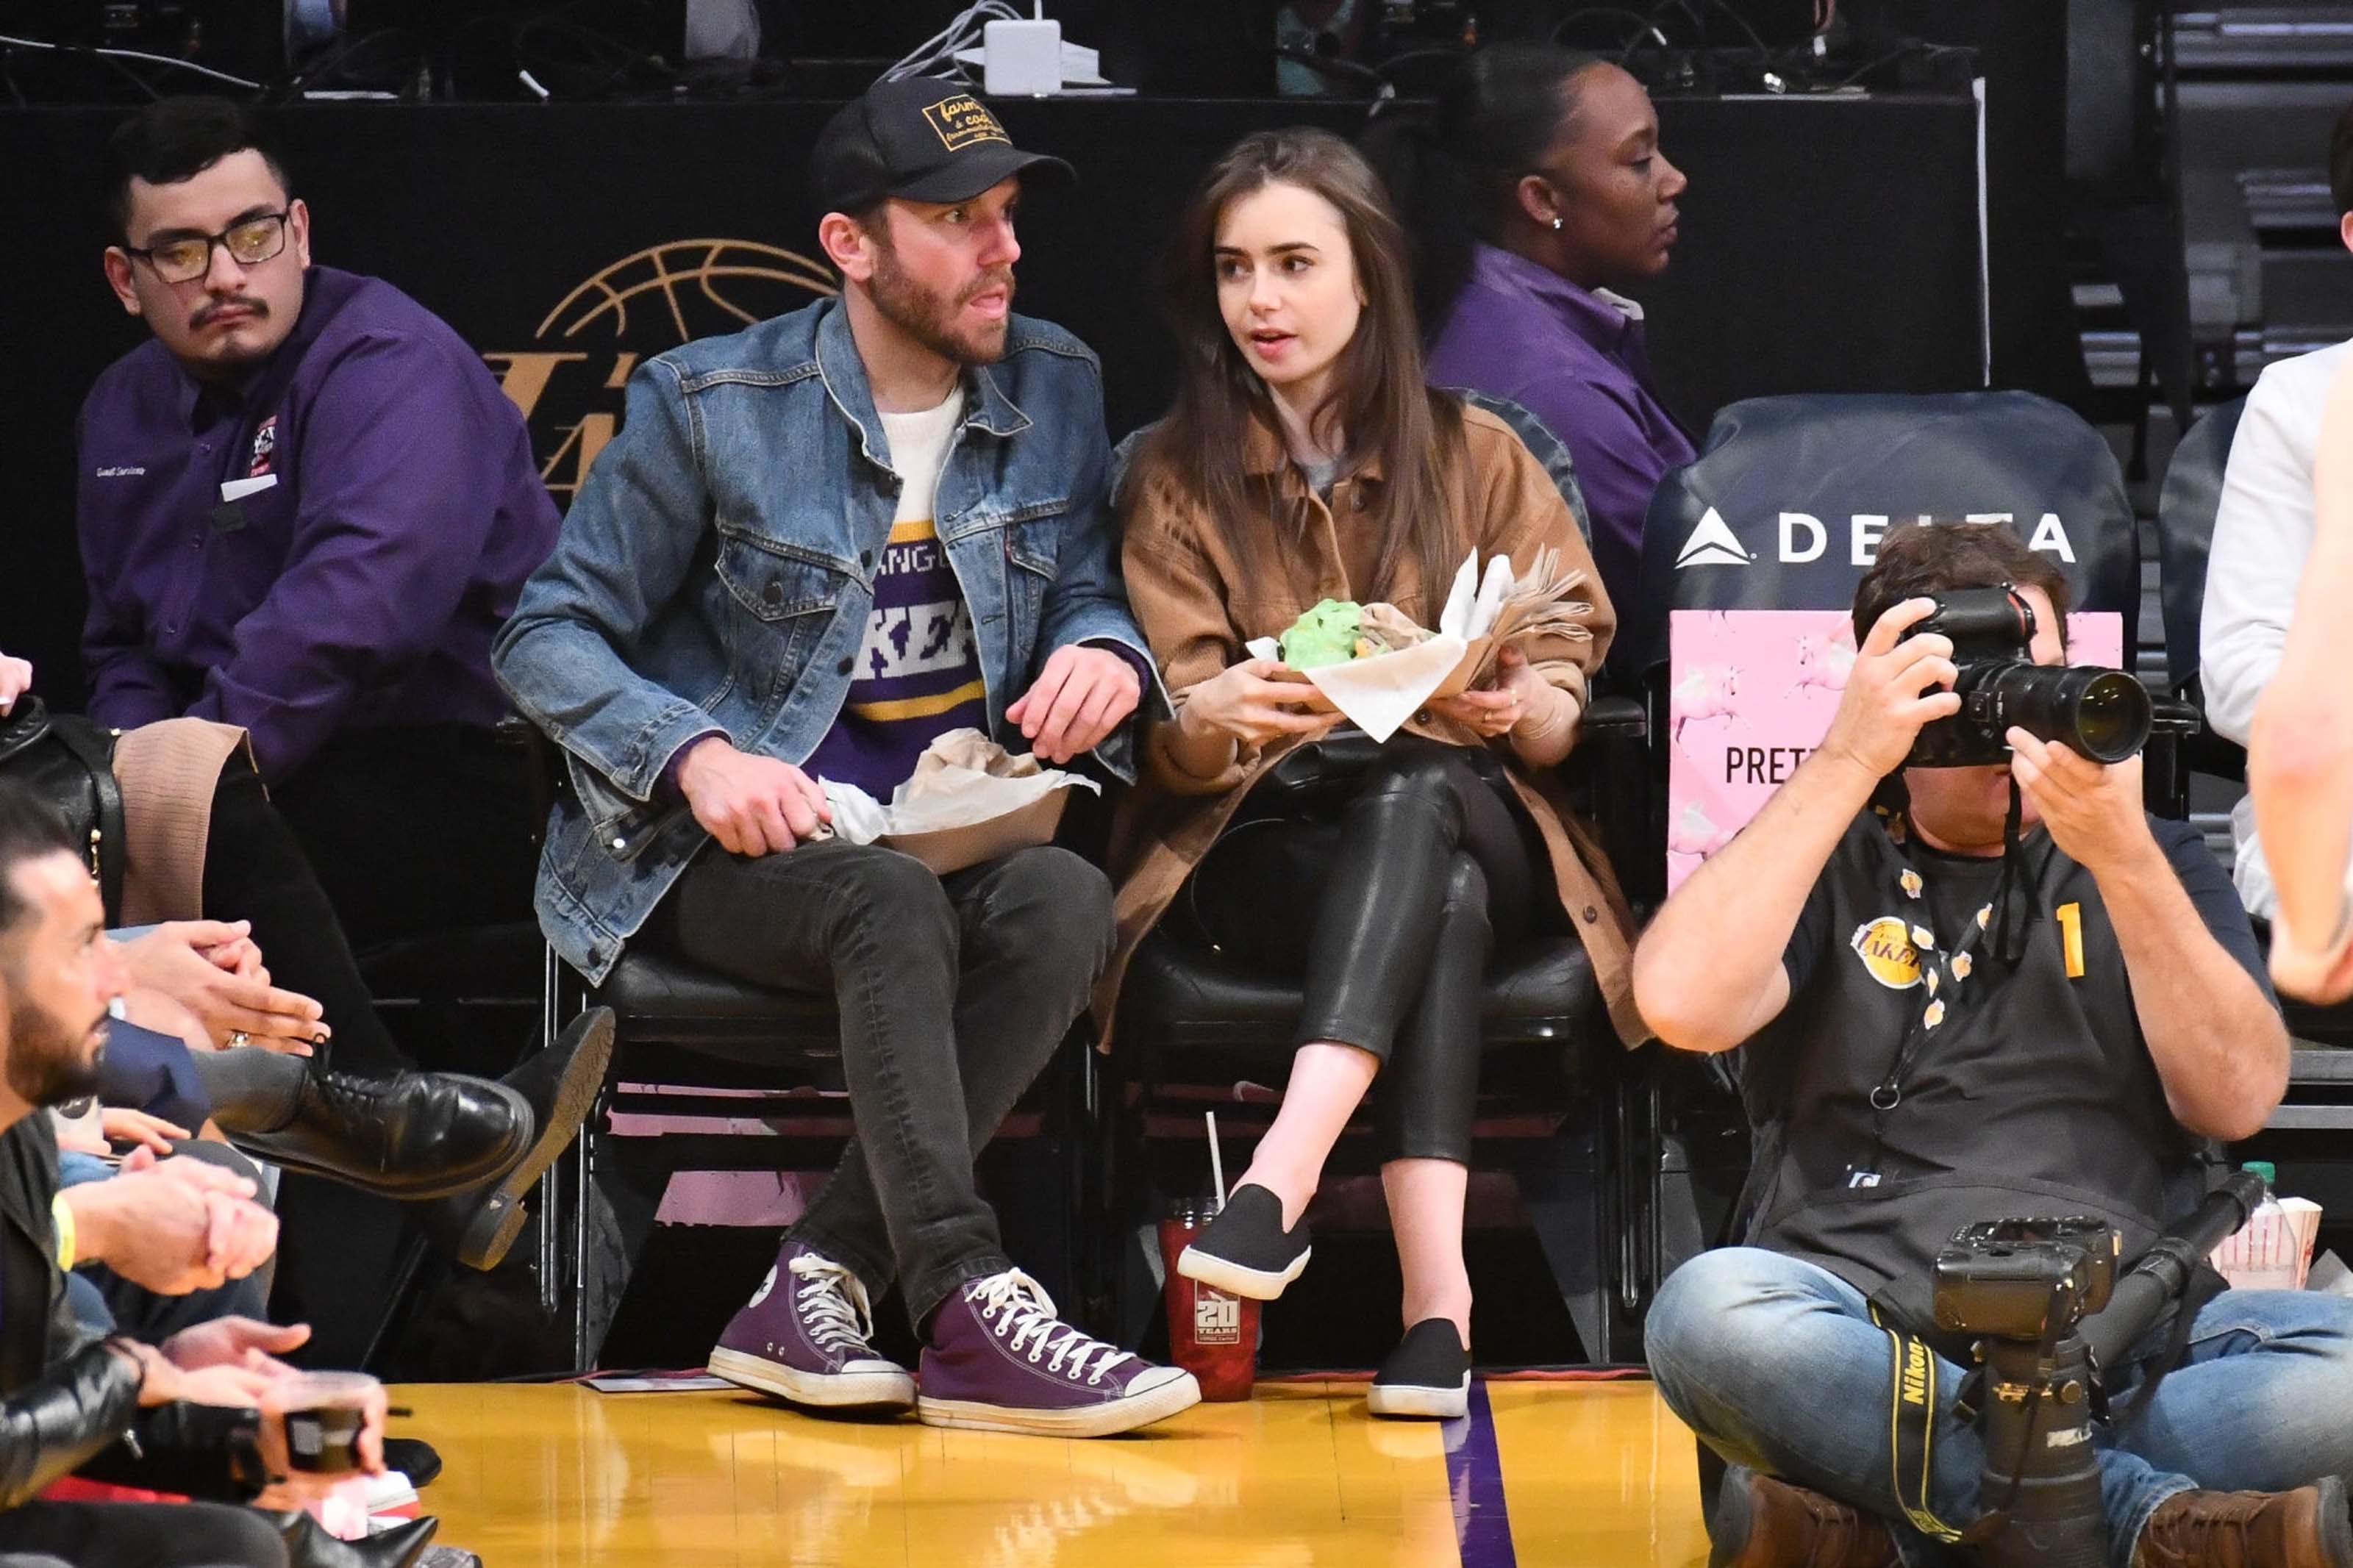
1306,460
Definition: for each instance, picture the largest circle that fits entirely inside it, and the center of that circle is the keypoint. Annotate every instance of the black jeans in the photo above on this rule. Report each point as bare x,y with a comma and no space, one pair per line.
151,1535
953,992
255,869
1389,909
417,830
336,1246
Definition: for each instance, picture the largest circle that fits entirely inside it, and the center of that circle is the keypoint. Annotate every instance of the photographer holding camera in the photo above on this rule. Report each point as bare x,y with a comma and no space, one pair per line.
1972,986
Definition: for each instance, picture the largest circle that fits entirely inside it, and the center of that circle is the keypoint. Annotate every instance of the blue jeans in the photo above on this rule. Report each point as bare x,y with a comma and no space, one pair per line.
105,1302
1775,1362
82,1294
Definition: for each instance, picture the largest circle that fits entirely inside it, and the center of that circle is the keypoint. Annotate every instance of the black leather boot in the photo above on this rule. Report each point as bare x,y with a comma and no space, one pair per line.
410,1137
309,1546
477,1226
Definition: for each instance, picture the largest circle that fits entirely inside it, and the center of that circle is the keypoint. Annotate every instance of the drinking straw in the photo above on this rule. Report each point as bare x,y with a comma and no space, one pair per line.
1217,1164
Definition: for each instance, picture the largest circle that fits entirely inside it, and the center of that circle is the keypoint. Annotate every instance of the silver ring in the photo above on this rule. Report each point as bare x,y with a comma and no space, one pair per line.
239,1038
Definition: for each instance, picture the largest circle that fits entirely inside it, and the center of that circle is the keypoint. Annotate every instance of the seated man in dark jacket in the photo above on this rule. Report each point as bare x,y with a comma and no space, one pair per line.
2017,995
199,1416
903,493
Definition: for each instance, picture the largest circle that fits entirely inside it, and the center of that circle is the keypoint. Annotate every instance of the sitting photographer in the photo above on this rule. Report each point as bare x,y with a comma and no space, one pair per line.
1967,1005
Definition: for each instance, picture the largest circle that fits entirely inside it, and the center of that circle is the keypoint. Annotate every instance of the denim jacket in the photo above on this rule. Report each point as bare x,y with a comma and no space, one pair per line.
716,572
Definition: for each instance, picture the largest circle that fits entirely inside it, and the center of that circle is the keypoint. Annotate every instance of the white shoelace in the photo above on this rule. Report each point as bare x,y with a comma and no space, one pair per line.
832,1306
1019,1313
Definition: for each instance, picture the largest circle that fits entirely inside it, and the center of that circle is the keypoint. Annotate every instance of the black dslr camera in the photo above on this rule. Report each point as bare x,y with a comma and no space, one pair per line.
2021,1288
2048,1311
2025,1278
2103,714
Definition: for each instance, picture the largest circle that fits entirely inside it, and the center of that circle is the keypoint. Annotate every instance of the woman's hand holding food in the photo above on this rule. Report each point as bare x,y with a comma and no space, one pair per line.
1247,704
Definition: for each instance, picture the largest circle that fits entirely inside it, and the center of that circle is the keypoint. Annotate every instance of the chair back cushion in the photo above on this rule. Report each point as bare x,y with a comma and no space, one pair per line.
2185,532
1785,506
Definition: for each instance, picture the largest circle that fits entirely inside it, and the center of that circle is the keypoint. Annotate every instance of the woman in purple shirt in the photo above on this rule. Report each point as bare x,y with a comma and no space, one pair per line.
1535,188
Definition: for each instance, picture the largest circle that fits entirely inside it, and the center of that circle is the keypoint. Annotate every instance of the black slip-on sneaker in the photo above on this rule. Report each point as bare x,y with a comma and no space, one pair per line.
1428,1376
1245,1251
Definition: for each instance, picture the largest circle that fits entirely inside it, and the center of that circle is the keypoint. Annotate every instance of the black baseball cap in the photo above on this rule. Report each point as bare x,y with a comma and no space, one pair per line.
919,138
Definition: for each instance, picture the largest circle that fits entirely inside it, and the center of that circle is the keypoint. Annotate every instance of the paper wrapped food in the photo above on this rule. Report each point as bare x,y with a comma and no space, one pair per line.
969,800
1339,630
1378,668
1325,634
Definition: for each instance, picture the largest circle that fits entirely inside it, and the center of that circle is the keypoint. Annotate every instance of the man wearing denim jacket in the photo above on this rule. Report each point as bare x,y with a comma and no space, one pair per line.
814,546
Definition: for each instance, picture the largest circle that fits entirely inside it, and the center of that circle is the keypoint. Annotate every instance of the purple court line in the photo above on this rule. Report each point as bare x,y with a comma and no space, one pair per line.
1474,1476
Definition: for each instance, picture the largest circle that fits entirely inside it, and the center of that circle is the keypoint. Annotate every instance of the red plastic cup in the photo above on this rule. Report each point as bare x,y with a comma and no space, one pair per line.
1212,1335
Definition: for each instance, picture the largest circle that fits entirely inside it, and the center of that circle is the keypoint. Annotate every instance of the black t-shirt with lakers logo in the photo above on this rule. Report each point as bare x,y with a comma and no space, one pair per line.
2033,1093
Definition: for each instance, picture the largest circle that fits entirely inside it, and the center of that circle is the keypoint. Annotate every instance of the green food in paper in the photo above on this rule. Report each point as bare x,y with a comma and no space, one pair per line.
1325,634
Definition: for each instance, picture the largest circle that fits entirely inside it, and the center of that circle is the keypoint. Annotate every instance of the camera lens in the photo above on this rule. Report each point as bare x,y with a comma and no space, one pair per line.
2111,717
2103,714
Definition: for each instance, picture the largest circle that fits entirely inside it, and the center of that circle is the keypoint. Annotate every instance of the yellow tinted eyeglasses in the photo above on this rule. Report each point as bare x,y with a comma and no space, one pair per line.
184,259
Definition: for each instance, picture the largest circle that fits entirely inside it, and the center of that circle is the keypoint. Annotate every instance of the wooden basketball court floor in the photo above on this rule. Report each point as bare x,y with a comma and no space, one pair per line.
1550,1472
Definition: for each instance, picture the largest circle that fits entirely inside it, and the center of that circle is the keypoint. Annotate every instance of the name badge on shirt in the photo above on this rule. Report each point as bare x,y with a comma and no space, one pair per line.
238,490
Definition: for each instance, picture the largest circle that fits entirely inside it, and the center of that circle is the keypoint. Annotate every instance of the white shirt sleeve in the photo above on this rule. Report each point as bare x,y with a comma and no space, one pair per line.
2262,533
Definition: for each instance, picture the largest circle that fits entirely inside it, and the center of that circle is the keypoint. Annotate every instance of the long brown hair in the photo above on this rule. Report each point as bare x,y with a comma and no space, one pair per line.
1384,411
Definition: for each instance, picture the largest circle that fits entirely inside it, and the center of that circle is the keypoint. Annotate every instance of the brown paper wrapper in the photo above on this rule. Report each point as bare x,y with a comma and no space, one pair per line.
946,849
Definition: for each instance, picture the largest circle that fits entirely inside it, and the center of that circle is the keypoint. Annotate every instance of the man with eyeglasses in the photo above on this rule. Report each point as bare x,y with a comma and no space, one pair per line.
305,508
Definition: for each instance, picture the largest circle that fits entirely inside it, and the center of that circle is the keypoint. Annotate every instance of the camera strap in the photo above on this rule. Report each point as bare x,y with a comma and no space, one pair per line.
1944,967
2201,1285
1911,1426
1942,970
2010,941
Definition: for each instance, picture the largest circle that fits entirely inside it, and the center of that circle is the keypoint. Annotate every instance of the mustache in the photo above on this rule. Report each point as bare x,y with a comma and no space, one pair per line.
239,301
1000,279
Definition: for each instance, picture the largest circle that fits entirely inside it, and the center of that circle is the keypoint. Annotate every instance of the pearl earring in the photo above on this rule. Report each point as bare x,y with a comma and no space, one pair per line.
1556,224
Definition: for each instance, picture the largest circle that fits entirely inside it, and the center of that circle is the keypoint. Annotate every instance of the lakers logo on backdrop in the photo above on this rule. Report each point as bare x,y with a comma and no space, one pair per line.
569,382
1884,945
961,121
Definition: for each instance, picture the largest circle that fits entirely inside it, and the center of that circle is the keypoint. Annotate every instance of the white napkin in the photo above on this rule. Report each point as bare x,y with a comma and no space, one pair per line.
856,815
1493,588
1454,620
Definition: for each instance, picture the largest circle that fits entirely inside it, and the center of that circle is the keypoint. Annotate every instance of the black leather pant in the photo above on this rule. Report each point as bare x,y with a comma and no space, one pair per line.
1389,909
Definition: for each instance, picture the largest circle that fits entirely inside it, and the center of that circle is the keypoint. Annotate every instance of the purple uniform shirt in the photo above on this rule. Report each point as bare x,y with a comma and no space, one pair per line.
360,589
1575,362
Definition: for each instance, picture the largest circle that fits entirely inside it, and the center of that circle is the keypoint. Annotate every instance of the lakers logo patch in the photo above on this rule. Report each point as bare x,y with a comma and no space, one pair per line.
960,121
1885,948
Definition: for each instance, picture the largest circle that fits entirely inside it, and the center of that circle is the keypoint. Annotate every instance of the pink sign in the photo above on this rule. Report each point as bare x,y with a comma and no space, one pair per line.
1750,695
